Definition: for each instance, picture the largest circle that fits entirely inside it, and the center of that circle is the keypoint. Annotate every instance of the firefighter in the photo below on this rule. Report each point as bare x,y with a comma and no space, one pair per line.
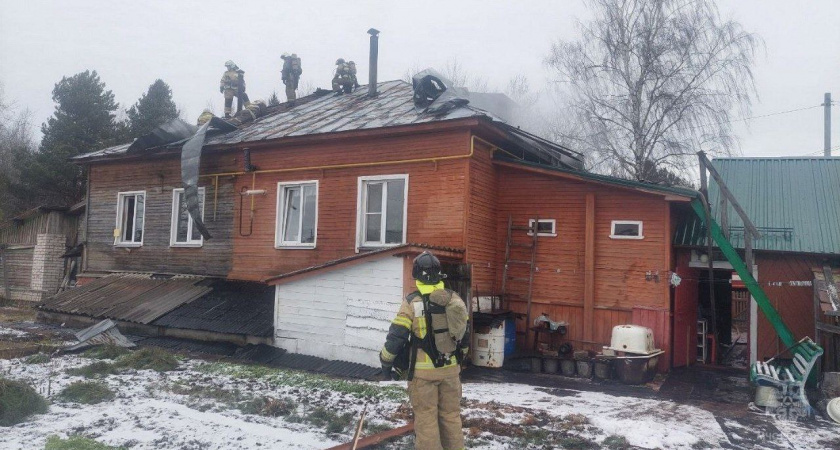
229,86
291,74
343,81
434,384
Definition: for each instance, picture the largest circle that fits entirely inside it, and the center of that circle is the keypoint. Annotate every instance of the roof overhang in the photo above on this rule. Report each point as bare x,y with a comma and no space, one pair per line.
670,194
445,254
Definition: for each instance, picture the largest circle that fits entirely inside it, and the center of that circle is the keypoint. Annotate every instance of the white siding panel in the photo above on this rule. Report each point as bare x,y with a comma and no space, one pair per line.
342,314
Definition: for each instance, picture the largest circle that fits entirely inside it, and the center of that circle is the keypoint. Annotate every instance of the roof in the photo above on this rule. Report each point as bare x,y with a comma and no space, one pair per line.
235,307
793,201
324,112
604,179
442,252
131,297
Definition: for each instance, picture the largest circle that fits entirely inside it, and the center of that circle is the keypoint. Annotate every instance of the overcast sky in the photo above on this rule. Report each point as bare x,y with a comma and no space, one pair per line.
132,43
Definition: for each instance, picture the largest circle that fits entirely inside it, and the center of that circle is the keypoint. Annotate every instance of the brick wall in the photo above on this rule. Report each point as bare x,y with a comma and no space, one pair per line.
47,264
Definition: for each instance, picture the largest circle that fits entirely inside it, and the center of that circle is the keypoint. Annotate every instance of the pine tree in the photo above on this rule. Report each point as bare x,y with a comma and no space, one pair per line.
154,108
84,120
273,100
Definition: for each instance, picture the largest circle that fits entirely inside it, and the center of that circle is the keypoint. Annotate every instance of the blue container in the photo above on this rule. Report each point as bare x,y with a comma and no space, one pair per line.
510,336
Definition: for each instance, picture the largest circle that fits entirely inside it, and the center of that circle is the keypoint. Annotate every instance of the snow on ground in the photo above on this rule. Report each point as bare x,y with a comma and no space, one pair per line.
11,332
203,405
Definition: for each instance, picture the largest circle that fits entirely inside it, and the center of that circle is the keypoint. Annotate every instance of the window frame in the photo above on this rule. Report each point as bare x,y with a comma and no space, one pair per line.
361,203
553,223
280,220
640,223
118,242
173,227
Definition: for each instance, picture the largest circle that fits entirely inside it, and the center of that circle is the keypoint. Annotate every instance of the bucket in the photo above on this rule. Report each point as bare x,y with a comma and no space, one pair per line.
584,369
550,365
766,396
602,368
567,367
536,365
488,348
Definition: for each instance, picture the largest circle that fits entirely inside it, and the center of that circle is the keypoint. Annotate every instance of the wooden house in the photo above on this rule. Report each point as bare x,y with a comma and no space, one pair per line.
345,190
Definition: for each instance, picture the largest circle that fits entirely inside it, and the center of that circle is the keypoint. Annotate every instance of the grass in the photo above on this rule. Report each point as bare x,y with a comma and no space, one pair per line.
107,351
19,401
75,443
93,370
148,358
292,378
615,442
40,358
320,417
269,406
87,393
262,406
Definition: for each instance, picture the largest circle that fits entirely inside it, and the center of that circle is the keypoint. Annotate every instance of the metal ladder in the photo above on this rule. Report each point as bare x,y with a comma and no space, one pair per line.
530,263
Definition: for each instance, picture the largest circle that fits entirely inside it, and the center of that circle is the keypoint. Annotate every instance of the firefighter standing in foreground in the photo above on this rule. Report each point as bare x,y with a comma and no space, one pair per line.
230,86
423,346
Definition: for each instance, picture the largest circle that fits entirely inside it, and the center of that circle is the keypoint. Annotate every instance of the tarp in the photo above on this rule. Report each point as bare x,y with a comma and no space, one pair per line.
190,164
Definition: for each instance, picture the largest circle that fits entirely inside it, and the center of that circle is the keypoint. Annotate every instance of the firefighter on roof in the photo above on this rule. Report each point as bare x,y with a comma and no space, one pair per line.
233,85
424,347
291,74
344,80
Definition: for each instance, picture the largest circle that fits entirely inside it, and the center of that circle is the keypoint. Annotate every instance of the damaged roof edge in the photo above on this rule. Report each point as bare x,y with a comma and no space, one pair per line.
445,253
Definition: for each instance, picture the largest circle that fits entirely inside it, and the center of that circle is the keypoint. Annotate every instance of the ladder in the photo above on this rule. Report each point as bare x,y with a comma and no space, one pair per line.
514,257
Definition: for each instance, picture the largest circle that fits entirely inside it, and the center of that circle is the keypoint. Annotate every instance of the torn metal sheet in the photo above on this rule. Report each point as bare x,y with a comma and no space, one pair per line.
435,94
190,165
104,332
167,133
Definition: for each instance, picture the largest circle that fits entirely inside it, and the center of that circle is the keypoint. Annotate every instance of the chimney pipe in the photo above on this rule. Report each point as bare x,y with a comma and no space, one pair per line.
374,59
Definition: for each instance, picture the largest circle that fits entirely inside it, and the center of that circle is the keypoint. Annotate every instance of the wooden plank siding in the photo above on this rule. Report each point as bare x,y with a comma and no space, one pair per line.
53,222
482,237
620,265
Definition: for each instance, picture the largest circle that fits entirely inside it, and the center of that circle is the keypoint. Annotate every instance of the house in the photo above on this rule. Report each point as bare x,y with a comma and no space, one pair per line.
326,202
794,202
36,251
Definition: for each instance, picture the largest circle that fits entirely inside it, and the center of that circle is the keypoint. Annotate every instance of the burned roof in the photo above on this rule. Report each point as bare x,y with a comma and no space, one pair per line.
324,112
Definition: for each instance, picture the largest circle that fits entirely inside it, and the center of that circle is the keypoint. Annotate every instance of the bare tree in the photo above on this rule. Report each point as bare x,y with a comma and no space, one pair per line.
16,147
653,81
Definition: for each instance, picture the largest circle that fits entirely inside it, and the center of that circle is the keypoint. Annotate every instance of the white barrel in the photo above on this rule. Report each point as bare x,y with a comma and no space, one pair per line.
489,349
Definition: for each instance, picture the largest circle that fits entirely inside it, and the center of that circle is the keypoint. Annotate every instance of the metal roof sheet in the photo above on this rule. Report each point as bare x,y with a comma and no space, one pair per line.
131,297
321,113
794,202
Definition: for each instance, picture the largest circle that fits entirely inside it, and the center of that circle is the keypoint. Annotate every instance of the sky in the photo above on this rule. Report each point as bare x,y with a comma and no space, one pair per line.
185,43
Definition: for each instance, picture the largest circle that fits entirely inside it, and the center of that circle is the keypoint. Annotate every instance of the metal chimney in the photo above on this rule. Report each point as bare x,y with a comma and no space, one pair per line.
374,60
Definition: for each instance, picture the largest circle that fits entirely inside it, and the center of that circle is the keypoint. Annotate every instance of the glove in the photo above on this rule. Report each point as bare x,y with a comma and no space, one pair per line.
387,371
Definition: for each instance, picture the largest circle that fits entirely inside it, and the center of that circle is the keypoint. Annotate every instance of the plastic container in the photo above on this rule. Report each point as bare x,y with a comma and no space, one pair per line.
567,367
550,365
510,336
637,369
584,368
632,339
602,368
766,396
489,348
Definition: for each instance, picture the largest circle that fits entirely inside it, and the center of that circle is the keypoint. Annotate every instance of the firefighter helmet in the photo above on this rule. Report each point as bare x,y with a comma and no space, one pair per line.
339,61
427,269
230,64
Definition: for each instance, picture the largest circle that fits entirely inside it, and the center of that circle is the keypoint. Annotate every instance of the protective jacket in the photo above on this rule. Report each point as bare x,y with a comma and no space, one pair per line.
230,80
410,328
291,69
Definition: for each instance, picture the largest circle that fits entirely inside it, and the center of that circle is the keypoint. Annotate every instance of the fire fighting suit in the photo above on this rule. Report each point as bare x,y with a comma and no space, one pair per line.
344,80
229,86
434,392
291,75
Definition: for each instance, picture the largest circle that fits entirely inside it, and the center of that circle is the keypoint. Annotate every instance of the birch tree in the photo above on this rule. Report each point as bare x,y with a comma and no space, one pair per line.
651,82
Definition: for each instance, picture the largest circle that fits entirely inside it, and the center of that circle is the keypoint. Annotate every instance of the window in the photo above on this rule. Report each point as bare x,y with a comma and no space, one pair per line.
382,210
297,214
545,227
131,212
183,232
626,229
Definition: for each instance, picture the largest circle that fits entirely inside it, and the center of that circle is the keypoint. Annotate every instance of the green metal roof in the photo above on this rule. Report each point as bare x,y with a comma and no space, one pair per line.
793,201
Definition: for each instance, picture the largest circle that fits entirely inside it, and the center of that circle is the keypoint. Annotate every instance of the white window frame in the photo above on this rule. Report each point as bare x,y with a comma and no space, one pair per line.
361,203
552,233
118,229
280,220
627,222
173,228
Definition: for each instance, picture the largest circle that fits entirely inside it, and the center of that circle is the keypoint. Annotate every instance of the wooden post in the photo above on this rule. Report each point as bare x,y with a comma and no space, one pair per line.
589,270
707,210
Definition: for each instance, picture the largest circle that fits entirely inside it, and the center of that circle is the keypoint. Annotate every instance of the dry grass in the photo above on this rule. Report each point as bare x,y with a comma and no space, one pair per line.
19,401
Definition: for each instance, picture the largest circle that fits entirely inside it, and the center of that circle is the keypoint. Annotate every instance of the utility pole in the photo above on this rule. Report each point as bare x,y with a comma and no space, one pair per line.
827,109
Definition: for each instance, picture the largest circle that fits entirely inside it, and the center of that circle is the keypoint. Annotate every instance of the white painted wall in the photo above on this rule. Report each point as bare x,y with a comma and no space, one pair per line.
343,314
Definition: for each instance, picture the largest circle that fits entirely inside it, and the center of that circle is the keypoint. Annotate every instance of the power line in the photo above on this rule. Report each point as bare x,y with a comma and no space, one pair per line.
744,119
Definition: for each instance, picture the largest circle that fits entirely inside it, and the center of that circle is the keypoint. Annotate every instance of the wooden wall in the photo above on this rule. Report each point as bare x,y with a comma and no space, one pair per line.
158,178
436,204
54,222
482,244
436,198
619,268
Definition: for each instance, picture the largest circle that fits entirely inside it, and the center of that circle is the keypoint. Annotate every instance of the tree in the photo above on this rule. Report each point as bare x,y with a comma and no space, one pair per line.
84,120
154,108
15,144
273,100
651,82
